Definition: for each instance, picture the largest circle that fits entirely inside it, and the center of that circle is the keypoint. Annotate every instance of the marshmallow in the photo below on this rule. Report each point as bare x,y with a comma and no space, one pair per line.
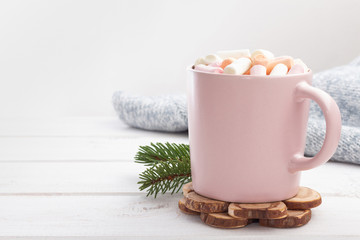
200,60
279,70
265,53
234,53
286,60
215,64
226,62
297,69
212,58
261,60
259,63
204,68
258,70
238,67
299,61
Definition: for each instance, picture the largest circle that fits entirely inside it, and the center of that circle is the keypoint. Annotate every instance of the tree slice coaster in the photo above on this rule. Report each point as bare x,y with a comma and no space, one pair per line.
306,198
184,209
223,220
272,210
198,203
295,218
187,188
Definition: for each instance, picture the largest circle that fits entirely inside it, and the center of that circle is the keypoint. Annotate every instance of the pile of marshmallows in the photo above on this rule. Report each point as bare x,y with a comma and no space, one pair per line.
240,62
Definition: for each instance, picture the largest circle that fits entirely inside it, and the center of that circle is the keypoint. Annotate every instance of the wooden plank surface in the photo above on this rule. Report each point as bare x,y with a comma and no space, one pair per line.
77,148
74,127
138,216
75,139
75,178
69,178
332,179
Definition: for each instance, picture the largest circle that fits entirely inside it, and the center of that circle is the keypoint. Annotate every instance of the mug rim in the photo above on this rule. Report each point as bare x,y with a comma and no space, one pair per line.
190,69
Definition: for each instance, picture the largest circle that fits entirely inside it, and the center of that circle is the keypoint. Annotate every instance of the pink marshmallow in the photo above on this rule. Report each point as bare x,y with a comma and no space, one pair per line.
204,68
215,64
297,69
258,70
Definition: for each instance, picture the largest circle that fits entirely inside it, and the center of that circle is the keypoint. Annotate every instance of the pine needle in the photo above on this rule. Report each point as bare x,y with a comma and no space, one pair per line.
169,167
150,155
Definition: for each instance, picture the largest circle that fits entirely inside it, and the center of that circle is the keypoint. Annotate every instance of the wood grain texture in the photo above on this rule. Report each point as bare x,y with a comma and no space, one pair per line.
92,127
69,177
306,198
295,218
187,188
223,220
258,210
121,216
199,203
56,184
76,148
184,209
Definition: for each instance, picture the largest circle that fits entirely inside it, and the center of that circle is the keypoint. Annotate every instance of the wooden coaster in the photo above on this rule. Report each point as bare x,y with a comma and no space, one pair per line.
223,220
271,210
293,212
198,203
184,209
295,218
187,188
306,198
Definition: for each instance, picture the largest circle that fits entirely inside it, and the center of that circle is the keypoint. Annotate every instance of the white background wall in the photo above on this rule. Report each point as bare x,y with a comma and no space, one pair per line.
65,58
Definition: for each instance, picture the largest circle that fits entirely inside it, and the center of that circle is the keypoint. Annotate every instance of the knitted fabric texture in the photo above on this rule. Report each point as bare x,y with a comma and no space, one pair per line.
162,113
169,112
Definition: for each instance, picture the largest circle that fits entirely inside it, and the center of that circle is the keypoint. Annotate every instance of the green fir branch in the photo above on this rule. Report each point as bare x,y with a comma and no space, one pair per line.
165,176
169,167
150,155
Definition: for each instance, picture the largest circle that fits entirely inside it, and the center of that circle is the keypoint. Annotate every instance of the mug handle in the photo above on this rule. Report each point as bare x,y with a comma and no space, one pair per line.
333,127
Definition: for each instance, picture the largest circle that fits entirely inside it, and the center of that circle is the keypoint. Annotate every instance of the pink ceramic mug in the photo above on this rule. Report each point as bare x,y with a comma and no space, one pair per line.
247,134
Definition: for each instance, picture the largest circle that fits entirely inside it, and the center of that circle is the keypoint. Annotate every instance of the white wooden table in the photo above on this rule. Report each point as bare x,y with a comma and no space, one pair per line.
75,178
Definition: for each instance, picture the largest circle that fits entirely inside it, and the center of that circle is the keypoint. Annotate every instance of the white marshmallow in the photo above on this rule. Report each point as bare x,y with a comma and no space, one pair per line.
234,53
212,58
200,60
299,61
258,70
279,70
238,67
264,52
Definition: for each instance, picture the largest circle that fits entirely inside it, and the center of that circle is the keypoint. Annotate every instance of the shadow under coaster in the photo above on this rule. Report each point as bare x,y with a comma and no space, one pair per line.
293,212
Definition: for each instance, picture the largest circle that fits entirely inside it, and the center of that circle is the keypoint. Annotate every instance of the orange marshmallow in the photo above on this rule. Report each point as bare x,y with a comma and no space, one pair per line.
226,62
286,60
261,60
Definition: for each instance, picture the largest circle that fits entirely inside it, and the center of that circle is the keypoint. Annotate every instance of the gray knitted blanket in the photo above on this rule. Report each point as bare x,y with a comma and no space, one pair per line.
169,113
